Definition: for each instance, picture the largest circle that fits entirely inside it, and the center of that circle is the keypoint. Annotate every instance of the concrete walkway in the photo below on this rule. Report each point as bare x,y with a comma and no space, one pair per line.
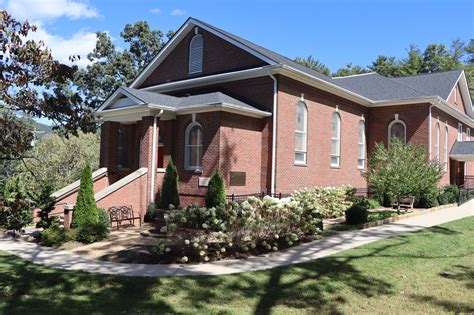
50,257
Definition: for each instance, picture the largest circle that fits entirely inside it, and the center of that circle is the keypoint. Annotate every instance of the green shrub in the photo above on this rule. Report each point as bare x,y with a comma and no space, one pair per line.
104,218
169,192
55,235
15,207
85,212
215,191
367,203
45,202
150,212
403,170
92,233
427,201
356,215
448,194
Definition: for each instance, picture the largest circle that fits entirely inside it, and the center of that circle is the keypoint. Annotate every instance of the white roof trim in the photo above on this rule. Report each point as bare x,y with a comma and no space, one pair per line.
176,39
466,96
112,98
119,184
75,186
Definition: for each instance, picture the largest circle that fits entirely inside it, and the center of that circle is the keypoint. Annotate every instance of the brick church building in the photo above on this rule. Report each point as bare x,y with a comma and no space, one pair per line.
211,100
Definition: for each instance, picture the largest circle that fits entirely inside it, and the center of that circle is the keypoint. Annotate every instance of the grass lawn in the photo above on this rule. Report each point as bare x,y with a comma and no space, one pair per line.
430,271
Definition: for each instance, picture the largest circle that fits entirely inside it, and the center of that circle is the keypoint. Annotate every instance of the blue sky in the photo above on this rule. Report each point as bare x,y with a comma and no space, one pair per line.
335,32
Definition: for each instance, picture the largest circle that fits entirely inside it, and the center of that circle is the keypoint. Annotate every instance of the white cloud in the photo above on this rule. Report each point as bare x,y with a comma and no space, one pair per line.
178,12
80,43
154,11
50,9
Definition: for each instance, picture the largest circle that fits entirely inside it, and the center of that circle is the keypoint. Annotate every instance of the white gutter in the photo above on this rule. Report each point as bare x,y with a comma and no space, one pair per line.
274,131
153,158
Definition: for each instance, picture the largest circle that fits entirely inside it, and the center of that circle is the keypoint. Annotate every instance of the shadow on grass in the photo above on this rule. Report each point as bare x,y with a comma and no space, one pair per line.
316,286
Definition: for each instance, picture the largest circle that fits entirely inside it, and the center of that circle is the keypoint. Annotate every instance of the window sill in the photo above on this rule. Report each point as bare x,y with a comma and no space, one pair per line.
335,166
300,164
198,171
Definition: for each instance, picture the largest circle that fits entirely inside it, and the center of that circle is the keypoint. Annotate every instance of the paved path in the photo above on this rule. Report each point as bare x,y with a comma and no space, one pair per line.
320,248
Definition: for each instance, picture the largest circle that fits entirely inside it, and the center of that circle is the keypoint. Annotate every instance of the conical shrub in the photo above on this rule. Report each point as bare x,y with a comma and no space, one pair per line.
85,212
216,190
169,190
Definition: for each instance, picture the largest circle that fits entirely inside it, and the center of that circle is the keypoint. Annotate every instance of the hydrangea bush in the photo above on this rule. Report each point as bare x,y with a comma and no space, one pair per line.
254,225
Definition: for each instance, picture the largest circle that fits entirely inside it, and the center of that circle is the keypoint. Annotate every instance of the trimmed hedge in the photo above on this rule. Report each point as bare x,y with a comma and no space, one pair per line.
85,212
216,190
169,192
356,214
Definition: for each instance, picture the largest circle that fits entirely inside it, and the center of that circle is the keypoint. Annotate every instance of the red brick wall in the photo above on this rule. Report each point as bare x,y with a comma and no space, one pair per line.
455,99
70,199
218,56
134,194
241,151
317,172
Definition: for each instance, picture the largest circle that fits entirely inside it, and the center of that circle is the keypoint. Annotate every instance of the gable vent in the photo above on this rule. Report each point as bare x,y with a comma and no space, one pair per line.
196,54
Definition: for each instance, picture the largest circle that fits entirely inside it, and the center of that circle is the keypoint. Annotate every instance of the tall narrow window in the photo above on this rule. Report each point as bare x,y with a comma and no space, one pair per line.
196,47
193,147
336,140
445,148
123,160
301,126
468,134
459,132
397,129
438,131
361,159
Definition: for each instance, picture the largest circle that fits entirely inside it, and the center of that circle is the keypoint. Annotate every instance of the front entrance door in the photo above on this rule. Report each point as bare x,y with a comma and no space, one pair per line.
457,172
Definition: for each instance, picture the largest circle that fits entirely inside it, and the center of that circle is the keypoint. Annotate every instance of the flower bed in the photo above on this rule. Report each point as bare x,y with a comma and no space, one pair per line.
252,227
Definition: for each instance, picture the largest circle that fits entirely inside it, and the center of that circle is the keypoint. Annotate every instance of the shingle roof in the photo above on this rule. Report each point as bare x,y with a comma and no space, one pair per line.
462,148
440,83
373,86
215,98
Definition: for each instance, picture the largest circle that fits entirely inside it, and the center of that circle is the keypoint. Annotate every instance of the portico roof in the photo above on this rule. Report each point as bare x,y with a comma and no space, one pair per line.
129,104
462,151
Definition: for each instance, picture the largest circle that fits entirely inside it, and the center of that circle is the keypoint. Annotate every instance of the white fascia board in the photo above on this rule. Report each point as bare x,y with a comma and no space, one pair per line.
114,97
212,79
176,39
225,107
322,84
462,157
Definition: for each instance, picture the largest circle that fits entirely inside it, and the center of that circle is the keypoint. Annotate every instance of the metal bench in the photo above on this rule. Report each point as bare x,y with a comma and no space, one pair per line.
406,202
119,214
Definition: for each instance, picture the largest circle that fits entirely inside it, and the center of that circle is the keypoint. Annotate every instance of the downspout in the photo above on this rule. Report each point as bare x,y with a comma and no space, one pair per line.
429,131
274,131
153,158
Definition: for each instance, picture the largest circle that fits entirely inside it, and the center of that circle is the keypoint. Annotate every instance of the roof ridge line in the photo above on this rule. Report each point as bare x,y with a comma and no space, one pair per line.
355,75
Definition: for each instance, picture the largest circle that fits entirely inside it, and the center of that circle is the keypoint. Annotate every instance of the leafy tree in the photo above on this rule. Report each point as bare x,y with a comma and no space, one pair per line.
85,212
402,170
169,191
469,67
314,64
413,63
45,202
60,160
349,69
16,208
33,82
216,190
111,68
386,66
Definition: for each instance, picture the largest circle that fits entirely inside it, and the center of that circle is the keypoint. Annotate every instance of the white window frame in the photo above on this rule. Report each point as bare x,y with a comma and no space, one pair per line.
390,130
186,145
303,132
361,145
459,132
337,139
445,148
123,160
468,134
437,139
195,65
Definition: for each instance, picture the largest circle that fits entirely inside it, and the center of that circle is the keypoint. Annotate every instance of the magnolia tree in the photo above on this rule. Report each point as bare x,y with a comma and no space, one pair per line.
403,170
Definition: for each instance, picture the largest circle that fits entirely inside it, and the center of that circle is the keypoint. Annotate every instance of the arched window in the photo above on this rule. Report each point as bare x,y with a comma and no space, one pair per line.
336,140
438,131
196,54
397,129
301,127
361,158
445,148
193,147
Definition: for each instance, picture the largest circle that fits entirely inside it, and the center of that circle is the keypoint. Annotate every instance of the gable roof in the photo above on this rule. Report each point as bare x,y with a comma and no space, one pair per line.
179,105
